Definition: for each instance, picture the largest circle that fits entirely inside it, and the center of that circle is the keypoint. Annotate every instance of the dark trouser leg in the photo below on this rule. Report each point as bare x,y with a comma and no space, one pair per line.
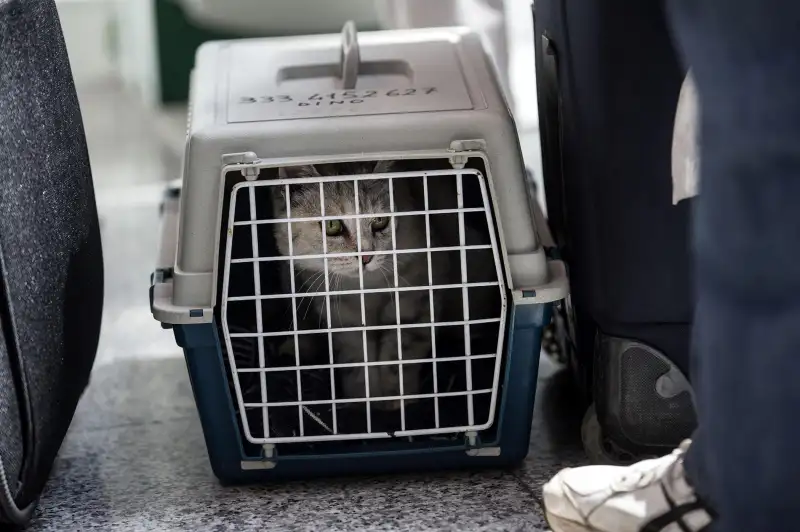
746,456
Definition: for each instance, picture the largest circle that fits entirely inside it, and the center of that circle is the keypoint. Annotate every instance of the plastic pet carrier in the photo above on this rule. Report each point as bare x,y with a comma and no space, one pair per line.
608,84
355,276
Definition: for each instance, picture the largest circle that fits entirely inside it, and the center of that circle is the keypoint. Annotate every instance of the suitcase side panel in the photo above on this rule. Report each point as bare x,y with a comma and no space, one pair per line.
618,85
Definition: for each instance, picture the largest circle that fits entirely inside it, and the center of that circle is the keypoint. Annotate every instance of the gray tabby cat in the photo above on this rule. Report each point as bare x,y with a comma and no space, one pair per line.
376,235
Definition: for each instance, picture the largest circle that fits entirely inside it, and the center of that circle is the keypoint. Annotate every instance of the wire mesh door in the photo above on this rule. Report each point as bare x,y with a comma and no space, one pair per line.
363,306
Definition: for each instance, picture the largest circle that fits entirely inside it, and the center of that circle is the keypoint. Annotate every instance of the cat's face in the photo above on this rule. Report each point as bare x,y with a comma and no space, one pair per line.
341,232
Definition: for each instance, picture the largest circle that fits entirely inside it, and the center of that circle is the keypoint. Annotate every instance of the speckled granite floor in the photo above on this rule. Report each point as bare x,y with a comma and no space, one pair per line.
135,459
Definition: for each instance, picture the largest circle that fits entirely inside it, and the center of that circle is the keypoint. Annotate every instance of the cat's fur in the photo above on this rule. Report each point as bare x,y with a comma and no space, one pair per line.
378,273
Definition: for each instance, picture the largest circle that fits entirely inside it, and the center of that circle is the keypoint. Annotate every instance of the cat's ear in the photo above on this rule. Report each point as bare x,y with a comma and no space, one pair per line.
383,167
291,172
295,192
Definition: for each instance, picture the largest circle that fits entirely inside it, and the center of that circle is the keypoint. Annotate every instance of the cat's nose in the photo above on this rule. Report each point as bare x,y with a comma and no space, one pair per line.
366,259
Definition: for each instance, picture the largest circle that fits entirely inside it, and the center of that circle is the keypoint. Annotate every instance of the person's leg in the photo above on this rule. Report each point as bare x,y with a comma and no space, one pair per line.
744,459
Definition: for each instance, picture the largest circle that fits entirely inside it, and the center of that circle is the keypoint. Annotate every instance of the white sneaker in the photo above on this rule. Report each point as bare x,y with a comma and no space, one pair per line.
651,496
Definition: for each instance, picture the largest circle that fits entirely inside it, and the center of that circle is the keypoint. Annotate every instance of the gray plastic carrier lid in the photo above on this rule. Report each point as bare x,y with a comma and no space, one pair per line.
328,78
425,94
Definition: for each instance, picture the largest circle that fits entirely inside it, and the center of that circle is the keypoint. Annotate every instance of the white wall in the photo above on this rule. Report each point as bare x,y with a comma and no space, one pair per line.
88,27
522,63
277,16
112,42
138,49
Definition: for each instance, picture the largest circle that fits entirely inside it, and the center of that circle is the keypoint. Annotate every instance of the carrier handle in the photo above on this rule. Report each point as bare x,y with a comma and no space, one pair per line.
350,57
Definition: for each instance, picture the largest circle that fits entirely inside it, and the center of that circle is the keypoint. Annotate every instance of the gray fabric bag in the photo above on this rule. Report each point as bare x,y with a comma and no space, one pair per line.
51,267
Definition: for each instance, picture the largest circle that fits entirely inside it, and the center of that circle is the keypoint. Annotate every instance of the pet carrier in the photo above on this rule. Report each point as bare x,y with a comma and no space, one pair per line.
353,269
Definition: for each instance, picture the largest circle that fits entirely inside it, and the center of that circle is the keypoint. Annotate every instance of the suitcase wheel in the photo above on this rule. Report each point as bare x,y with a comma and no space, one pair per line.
602,450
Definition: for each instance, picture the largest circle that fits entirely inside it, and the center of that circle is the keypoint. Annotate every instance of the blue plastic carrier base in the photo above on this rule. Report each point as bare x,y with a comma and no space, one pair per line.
234,460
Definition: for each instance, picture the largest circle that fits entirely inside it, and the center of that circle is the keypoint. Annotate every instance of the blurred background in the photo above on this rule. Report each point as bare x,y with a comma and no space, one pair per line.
136,55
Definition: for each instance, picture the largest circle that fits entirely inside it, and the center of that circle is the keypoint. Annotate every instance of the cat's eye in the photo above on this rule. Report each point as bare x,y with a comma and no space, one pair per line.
379,224
333,227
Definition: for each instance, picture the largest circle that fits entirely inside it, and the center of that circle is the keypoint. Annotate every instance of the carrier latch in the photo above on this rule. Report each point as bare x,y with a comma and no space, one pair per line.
458,160
266,462
246,157
474,446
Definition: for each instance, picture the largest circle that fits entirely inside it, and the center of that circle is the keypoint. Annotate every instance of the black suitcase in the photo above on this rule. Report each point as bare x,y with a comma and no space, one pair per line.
51,270
608,83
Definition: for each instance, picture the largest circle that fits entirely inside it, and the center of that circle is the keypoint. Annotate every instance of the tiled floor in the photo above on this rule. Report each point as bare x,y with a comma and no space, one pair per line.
135,459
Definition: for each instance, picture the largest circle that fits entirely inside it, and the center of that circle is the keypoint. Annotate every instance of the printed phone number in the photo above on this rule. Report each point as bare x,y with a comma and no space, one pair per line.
337,98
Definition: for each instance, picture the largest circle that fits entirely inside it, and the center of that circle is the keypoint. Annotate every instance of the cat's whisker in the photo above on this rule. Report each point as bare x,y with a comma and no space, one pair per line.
314,288
334,300
385,278
383,271
319,279
313,277
339,301
306,299
324,309
322,315
403,279
307,281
